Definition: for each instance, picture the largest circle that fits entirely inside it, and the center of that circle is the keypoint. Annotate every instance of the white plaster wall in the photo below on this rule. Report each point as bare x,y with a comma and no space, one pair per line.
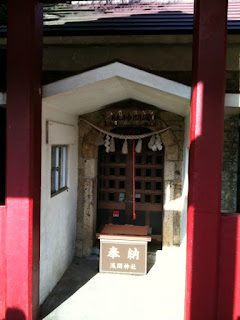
183,221
58,213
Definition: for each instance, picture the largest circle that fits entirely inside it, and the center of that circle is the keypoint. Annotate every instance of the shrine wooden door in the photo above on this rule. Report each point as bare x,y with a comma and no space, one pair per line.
115,185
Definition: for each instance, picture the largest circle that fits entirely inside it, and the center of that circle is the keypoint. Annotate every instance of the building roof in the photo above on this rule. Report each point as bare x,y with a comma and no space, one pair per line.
97,17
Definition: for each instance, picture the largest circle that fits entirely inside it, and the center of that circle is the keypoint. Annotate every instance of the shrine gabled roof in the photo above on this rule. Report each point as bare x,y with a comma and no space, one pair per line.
112,83
92,90
135,17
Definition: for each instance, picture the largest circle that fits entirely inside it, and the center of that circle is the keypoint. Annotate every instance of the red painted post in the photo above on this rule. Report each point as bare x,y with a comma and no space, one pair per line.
23,173
229,275
2,261
205,159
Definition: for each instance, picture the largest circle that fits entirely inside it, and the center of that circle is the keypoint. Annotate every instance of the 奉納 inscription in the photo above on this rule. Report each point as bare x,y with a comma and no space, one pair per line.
123,257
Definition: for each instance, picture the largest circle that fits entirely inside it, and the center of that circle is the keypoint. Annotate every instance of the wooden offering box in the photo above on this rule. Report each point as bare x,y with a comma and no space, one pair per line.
123,248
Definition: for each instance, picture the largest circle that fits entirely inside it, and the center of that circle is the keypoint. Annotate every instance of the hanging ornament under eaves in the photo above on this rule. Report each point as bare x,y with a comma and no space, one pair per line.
151,142
107,143
138,148
112,145
154,148
125,147
158,142
155,143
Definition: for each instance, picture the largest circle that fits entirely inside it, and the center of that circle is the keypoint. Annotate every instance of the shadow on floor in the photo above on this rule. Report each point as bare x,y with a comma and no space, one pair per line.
76,276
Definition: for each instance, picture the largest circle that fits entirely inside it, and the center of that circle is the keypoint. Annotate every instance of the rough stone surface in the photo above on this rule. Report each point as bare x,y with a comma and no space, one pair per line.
89,150
177,191
229,200
169,169
167,138
178,171
230,165
179,135
91,168
230,151
176,228
168,228
169,187
90,201
180,155
172,153
79,248
169,116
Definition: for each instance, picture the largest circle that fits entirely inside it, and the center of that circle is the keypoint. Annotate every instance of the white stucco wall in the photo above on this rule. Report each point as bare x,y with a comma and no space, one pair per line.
183,222
58,213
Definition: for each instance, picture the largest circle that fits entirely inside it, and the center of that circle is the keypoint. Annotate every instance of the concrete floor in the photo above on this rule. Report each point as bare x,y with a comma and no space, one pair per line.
85,294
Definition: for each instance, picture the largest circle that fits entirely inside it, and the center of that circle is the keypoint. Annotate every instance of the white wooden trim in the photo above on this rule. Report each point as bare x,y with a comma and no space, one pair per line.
60,134
120,70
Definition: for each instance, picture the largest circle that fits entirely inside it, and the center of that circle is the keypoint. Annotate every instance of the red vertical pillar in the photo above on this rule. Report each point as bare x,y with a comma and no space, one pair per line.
205,162
2,261
23,173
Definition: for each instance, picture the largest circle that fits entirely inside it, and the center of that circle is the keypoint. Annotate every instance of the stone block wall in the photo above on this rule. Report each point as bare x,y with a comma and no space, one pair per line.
230,165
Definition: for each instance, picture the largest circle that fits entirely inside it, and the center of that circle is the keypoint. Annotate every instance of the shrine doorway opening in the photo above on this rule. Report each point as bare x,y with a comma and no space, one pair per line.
117,175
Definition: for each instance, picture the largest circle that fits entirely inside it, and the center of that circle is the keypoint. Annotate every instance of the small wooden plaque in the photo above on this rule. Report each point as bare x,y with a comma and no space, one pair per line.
120,256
